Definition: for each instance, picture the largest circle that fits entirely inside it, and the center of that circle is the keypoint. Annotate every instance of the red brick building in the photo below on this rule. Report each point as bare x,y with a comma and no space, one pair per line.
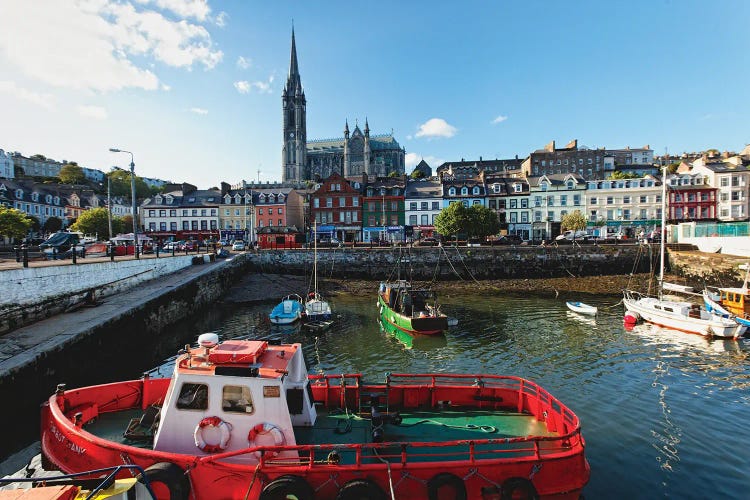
336,209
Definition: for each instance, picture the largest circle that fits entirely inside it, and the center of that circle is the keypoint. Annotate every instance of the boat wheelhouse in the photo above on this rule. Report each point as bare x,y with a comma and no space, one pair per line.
242,419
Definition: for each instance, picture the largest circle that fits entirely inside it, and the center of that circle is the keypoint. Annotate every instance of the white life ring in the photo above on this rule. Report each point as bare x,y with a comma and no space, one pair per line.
266,428
226,433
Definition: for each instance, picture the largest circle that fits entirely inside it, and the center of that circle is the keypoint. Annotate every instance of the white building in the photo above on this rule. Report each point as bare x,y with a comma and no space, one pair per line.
731,176
423,200
624,203
7,171
551,197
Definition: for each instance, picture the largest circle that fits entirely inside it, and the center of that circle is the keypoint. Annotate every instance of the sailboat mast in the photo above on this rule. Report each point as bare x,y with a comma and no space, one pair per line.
315,257
663,227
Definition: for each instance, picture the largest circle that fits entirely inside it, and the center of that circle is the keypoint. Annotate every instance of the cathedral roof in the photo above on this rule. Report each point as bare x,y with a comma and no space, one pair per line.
377,142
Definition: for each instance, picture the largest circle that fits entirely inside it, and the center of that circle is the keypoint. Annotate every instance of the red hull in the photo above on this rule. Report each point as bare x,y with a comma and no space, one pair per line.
554,465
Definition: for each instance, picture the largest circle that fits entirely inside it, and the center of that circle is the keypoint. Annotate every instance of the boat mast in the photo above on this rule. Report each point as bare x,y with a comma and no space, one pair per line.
315,258
663,227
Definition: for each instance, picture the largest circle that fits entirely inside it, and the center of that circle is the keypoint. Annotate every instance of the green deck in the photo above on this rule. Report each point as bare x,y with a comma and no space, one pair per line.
416,427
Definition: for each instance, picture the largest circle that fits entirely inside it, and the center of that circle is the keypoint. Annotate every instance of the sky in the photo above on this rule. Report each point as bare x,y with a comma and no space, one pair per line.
193,87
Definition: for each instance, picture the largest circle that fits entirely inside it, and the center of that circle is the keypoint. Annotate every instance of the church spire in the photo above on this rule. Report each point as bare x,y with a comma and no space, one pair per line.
293,82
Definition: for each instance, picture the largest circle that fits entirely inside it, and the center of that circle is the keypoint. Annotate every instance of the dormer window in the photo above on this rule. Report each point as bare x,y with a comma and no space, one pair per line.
452,191
464,191
57,200
382,191
170,200
158,199
281,198
543,186
517,188
262,198
571,185
227,199
475,191
237,199
19,194
48,198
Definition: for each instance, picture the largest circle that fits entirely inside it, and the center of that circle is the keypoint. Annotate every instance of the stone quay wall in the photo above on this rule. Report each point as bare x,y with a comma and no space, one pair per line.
457,263
131,332
36,293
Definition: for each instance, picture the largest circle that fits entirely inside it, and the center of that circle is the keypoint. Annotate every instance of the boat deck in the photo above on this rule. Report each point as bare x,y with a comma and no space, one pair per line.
339,427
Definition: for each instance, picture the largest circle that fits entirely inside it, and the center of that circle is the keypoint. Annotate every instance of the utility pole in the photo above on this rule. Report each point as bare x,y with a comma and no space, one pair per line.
109,206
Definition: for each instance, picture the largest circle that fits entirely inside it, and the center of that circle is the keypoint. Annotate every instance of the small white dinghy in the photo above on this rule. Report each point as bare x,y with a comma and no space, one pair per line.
581,308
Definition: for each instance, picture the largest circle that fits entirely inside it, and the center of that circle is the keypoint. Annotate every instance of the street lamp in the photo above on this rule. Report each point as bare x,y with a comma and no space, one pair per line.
132,194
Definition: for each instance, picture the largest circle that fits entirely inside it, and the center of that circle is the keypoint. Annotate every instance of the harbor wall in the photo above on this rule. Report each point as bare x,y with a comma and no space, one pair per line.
458,263
132,332
699,269
34,293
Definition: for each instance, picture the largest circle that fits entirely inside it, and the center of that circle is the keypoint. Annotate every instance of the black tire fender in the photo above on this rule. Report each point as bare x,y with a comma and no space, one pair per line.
518,487
361,489
283,487
171,476
446,480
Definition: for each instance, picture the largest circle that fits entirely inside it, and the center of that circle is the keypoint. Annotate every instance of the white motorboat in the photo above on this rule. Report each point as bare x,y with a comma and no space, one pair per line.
581,308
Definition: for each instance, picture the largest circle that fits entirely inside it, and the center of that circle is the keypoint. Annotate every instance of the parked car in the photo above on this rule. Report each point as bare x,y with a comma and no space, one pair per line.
506,239
427,242
571,235
172,245
238,246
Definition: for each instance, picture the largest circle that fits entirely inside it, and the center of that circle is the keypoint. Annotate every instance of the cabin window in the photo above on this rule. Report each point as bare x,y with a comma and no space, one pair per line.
193,397
237,399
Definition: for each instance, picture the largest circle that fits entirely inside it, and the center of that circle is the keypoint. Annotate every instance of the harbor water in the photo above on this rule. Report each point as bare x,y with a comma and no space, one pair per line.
664,413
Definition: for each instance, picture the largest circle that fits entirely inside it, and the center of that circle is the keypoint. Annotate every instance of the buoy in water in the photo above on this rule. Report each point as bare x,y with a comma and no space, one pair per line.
631,318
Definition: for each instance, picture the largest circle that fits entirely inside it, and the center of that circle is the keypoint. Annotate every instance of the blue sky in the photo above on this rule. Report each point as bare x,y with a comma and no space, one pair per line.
193,87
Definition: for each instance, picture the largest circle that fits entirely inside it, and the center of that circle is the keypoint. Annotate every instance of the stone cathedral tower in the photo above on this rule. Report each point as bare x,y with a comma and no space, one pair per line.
294,148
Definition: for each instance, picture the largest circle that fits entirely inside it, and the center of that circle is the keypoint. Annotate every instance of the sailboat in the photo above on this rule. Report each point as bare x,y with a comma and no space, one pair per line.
316,309
679,315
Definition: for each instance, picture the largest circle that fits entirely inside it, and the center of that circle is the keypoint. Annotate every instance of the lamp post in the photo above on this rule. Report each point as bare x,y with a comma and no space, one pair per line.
132,193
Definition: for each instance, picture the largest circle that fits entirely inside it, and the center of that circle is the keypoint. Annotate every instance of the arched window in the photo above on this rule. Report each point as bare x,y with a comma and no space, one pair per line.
452,191
571,185
475,190
464,191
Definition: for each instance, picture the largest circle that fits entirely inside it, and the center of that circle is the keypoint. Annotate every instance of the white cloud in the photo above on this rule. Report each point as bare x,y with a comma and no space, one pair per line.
103,45
197,9
436,127
43,100
95,112
244,62
264,87
412,160
199,111
499,119
221,19
243,87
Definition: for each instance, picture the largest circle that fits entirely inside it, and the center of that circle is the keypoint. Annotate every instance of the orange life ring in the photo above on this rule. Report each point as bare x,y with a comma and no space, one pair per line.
226,433
266,428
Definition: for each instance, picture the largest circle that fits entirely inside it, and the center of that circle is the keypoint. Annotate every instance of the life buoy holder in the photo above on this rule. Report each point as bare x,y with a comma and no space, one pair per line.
266,428
226,433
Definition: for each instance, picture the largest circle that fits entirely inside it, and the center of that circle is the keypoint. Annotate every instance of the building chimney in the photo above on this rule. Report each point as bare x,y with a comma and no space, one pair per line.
550,147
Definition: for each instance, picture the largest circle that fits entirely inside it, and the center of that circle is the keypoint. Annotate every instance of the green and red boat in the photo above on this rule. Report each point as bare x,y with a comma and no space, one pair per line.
242,419
415,312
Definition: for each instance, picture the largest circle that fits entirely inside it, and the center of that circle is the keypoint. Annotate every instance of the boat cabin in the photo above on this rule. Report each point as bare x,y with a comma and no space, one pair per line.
736,301
400,297
229,396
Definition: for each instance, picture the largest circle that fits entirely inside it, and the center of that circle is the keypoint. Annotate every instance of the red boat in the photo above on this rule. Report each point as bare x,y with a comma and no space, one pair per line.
242,419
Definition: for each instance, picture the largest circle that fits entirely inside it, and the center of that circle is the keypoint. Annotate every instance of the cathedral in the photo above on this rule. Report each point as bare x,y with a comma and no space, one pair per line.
351,155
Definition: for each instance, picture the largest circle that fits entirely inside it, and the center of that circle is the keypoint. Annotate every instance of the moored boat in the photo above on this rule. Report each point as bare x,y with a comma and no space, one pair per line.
412,311
243,419
288,311
581,308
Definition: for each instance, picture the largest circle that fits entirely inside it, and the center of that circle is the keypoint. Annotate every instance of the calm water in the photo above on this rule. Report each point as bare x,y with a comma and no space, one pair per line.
664,414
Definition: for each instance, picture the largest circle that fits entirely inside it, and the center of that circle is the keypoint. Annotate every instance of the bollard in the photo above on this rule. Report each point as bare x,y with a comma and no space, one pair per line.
157,251
18,253
83,252
137,255
173,248
111,252
25,256
73,250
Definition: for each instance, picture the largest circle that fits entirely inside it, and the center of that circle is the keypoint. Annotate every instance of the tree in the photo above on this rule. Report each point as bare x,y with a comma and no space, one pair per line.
623,175
52,224
394,174
452,219
95,221
575,221
72,174
417,174
14,223
35,224
120,185
482,222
